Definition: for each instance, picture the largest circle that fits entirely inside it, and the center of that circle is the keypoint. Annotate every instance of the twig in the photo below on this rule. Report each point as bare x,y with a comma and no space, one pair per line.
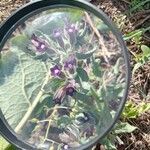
101,41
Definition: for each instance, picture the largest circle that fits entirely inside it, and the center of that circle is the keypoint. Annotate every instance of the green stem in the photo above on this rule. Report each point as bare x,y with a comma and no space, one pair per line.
50,122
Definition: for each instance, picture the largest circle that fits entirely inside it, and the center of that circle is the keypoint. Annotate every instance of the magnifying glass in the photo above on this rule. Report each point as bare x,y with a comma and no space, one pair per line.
64,76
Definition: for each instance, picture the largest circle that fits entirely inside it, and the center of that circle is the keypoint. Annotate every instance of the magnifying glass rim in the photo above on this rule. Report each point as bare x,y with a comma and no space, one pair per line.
19,17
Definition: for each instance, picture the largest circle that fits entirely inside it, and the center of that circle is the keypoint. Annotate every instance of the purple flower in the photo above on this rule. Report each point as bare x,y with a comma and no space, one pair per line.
72,31
38,43
57,36
56,71
57,101
70,63
70,88
72,28
70,91
57,33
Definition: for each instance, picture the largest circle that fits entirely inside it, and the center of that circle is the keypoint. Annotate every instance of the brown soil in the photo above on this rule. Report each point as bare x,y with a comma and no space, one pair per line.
140,84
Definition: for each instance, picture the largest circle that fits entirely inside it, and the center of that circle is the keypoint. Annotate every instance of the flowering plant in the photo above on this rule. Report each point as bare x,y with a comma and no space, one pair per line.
72,81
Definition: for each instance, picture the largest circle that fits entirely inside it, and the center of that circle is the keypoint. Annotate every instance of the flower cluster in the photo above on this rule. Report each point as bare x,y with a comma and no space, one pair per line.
69,65
67,90
39,44
56,71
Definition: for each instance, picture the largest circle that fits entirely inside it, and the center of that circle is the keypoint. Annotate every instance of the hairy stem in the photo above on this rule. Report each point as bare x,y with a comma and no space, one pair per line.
50,122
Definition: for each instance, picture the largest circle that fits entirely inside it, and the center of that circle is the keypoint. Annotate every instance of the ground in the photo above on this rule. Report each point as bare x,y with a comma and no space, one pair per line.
130,16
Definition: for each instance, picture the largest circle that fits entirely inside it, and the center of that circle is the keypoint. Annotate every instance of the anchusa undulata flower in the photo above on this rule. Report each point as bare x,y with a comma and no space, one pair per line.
57,36
67,90
39,44
70,63
70,89
72,31
56,71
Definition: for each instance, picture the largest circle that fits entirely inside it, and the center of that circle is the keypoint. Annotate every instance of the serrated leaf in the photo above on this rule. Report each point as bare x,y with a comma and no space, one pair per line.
82,74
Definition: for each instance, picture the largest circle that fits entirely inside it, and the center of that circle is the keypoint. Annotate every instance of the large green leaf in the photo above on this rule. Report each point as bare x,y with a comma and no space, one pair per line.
21,79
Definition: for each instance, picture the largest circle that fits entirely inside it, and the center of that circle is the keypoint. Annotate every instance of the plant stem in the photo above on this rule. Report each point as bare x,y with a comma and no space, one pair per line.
100,39
50,121
34,104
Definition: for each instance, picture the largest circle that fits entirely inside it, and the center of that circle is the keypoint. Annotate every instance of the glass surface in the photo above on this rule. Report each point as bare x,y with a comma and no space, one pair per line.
62,79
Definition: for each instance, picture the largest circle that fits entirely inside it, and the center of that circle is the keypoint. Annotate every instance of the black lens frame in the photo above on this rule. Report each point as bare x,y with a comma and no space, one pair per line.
20,16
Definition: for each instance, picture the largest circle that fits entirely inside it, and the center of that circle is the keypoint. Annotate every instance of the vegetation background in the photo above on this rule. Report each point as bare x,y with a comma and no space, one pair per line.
132,132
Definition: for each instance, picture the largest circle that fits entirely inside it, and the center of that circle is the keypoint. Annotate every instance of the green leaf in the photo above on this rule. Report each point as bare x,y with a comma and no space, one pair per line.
130,110
108,144
135,35
53,85
82,97
21,80
124,128
64,121
20,41
117,65
85,55
46,101
82,74
136,66
146,50
96,68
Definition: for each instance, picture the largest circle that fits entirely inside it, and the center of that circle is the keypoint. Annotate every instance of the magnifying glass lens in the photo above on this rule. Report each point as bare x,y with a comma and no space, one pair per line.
62,78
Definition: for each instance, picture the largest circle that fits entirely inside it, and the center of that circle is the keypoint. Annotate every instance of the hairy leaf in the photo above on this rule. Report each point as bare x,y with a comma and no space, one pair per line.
21,78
